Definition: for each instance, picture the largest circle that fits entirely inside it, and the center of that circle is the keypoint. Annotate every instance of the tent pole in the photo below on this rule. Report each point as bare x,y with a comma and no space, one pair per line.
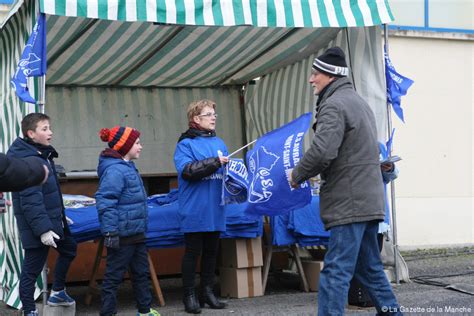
44,291
392,184
44,273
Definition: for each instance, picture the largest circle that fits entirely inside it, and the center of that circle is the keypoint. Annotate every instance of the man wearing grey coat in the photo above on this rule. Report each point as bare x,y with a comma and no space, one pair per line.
344,151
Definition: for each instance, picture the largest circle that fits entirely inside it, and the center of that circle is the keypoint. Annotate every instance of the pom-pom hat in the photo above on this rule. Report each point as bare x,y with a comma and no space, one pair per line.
120,138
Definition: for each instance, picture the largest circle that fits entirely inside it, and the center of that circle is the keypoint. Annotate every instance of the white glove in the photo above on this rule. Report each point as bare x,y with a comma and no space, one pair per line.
69,221
48,238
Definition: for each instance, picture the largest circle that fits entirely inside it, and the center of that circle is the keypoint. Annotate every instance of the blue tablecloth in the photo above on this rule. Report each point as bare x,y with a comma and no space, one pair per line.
163,222
303,226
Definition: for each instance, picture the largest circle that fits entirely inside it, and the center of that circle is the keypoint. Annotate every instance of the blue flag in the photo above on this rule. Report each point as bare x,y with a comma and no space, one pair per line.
32,62
397,86
269,164
388,144
235,182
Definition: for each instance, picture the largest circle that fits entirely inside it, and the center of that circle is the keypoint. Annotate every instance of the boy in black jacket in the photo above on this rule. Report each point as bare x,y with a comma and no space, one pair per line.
40,217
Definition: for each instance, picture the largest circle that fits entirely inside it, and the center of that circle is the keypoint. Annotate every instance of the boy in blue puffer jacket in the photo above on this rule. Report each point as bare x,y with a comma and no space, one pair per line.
123,215
40,217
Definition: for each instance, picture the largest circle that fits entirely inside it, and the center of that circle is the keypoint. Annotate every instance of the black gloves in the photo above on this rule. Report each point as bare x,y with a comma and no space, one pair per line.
112,241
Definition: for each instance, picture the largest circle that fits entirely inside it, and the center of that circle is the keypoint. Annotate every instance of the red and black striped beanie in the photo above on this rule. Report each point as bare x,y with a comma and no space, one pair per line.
120,138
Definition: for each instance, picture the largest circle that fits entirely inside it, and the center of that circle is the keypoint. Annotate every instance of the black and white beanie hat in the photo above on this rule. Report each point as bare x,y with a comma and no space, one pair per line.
332,62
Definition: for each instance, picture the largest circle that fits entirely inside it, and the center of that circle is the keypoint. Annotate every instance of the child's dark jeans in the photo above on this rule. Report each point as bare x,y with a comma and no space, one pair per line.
135,257
33,263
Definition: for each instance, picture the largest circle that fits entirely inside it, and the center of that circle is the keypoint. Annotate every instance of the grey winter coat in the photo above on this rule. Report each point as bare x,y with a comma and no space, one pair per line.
345,152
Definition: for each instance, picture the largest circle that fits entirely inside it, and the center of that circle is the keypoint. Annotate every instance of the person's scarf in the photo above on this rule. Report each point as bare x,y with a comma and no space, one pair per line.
195,130
45,151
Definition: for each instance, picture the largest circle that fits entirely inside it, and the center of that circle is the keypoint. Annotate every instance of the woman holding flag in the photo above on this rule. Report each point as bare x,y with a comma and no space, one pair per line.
198,158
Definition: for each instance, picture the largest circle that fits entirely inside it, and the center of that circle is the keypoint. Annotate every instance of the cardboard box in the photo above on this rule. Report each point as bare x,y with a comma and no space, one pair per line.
239,283
312,270
241,253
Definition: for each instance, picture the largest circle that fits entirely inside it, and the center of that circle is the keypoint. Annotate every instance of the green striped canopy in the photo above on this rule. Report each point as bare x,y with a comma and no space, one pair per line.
260,13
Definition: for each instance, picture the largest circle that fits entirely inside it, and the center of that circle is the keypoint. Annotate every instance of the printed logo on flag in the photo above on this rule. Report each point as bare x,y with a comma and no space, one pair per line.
235,182
261,162
32,62
275,154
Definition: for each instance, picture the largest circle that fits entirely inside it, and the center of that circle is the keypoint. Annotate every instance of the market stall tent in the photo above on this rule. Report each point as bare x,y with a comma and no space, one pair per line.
140,63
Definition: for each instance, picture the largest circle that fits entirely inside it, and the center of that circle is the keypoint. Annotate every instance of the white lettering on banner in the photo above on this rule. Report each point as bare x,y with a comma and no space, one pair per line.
296,148
214,176
396,78
238,168
286,152
296,155
286,157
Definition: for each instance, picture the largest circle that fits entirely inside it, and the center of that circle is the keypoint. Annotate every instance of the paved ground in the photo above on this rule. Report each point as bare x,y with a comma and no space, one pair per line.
283,296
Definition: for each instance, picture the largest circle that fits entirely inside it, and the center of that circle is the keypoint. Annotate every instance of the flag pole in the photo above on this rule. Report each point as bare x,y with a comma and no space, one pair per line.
41,93
241,148
392,184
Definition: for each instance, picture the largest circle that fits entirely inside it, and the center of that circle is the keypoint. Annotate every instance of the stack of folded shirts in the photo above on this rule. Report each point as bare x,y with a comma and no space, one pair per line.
307,226
163,224
163,199
85,223
302,226
241,225
281,235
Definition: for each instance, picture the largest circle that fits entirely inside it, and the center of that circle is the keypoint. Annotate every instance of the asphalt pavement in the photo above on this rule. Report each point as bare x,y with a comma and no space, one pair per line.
438,267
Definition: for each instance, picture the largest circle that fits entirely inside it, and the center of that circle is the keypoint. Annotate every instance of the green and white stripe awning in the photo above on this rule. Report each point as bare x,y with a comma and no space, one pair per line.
90,52
260,13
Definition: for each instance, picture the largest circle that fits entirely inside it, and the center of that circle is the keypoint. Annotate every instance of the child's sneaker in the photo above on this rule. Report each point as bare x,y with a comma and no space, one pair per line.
60,299
152,312
32,313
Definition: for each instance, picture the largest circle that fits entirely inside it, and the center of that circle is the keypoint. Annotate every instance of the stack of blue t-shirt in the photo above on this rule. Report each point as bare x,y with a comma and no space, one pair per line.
302,226
86,223
163,222
241,225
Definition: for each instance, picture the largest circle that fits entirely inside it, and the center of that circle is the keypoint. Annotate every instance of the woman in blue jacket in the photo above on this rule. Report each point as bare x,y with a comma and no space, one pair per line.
123,216
198,158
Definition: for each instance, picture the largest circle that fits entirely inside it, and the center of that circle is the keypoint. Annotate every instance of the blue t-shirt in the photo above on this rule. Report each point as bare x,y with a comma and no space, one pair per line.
199,200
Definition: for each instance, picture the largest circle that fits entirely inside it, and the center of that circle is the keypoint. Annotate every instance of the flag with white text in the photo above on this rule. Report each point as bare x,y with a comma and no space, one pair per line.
397,86
269,163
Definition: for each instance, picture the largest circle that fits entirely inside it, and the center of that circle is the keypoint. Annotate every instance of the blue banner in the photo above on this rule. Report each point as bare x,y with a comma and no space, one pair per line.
32,62
397,86
235,182
388,144
275,154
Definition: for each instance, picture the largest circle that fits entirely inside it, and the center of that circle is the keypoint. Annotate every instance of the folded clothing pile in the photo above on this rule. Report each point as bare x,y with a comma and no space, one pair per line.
163,222
302,226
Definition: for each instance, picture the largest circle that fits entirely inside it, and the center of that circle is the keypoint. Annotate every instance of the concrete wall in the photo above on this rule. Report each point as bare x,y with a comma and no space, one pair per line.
435,187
